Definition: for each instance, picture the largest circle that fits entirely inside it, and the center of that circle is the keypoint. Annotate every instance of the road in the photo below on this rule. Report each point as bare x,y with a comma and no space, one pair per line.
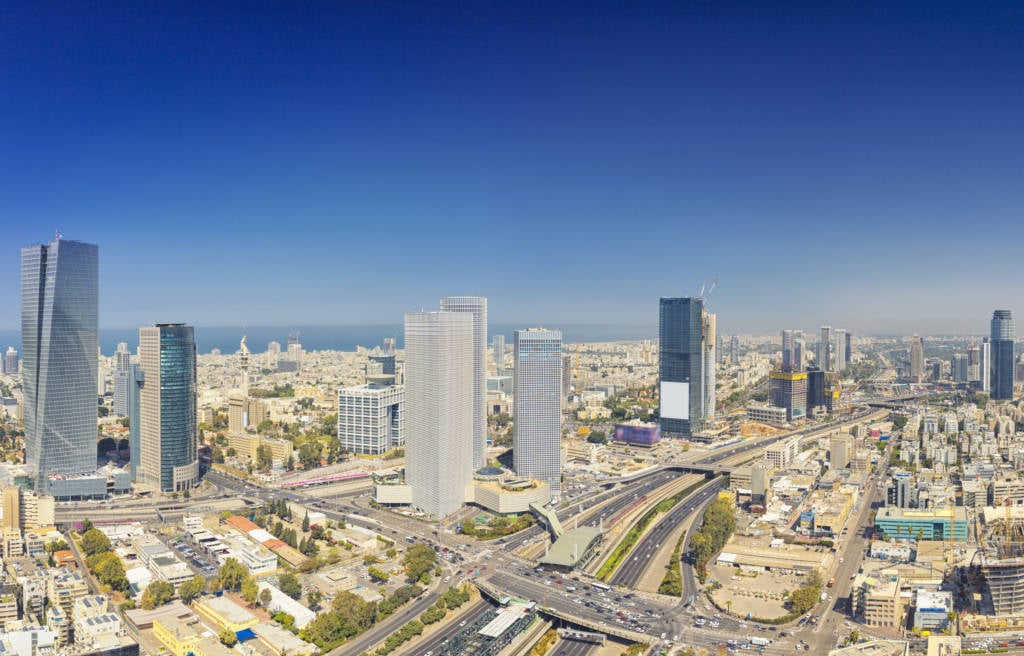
572,648
434,642
636,563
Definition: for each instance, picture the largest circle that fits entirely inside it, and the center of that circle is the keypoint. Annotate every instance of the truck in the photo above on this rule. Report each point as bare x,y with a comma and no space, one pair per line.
759,641
831,581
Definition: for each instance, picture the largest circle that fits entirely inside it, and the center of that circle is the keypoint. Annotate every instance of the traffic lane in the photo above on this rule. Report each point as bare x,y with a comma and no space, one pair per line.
435,641
572,648
382,630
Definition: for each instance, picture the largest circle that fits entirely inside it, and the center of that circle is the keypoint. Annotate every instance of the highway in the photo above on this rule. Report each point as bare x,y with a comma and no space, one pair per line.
571,648
632,569
434,642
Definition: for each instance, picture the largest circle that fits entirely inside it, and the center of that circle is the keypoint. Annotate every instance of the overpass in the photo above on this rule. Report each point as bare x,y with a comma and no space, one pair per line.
550,519
566,616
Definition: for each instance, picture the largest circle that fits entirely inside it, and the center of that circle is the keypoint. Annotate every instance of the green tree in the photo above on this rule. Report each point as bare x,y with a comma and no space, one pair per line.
419,559
228,638
313,599
94,542
377,574
264,458
192,588
305,522
309,455
289,584
232,574
250,591
266,596
157,594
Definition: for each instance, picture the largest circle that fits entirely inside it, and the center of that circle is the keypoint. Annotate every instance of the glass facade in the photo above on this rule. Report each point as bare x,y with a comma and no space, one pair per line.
537,420
1003,333
681,366
476,306
59,311
370,419
167,400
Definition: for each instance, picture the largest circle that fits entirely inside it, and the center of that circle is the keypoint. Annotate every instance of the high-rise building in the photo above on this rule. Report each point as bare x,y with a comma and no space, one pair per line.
825,346
916,359
685,366
788,389
167,407
800,351
477,307
973,363
537,414
498,351
11,361
135,380
1002,336
839,352
370,419
788,351
815,389
243,367
439,402
849,347
734,349
710,366
566,375
59,336
985,364
386,357
273,354
958,367
122,362
839,451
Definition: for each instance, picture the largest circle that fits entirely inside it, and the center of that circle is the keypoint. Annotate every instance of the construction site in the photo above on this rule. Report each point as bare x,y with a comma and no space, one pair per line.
995,579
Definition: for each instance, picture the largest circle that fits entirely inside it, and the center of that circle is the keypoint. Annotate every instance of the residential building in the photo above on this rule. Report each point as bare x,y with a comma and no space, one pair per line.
10,361
840,450
537,413
1002,336
122,364
498,351
958,367
167,407
839,350
59,336
685,372
781,454
370,418
440,350
476,306
825,347
1004,582
985,364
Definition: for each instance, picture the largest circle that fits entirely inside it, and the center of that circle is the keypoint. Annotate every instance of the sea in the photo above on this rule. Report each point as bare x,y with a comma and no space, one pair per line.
338,338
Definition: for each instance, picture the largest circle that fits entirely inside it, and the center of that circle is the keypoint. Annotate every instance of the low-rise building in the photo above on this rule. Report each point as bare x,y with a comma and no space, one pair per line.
932,609
945,523
225,614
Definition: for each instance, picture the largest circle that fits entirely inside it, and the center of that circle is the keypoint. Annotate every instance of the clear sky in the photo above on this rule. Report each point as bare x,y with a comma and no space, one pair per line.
858,164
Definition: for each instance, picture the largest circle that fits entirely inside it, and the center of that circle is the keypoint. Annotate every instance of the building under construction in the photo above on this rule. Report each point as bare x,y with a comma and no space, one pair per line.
1002,566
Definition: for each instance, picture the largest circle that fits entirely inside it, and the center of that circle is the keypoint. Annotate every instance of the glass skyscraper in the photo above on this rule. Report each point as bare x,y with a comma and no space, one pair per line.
537,419
59,310
1002,336
682,367
477,307
167,407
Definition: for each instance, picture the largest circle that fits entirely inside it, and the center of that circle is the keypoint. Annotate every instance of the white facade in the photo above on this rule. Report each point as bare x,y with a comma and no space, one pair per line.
537,418
370,418
476,306
439,408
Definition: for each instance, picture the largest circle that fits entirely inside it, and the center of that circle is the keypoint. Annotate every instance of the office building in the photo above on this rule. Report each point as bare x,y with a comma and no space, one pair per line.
916,359
958,367
800,352
945,523
901,493
815,389
370,419
840,449
167,407
985,364
566,376
122,361
10,361
498,351
476,306
1004,581
1002,336
839,351
973,364
59,308
781,454
849,347
385,358
135,380
788,389
439,404
685,366
734,349
825,348
537,414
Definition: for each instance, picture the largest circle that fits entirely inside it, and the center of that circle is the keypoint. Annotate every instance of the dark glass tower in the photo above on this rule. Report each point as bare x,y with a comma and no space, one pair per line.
1002,354
59,336
681,366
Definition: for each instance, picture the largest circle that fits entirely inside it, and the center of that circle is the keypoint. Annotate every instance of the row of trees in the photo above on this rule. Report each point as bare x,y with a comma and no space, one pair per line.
718,524
419,560
101,561
350,615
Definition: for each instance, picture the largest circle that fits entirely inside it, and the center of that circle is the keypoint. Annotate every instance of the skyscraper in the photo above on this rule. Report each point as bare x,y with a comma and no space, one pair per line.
477,307
1003,334
439,403
11,361
958,367
788,389
537,414
122,362
788,351
839,351
498,351
135,380
167,407
825,346
916,359
683,367
734,349
985,365
849,347
59,309
710,366
799,351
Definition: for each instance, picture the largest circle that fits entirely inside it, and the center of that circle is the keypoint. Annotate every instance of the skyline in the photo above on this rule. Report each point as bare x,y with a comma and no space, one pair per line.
850,166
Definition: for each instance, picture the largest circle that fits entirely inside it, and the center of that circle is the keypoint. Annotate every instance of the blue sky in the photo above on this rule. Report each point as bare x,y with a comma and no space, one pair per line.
343,162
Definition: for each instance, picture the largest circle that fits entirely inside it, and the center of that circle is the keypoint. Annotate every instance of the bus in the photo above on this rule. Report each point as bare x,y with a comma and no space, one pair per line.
597,585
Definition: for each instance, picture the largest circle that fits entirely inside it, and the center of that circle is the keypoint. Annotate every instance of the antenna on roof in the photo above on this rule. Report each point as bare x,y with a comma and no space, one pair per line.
56,235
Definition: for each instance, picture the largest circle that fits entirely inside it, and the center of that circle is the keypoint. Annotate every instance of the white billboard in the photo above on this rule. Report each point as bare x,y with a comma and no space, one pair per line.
675,400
